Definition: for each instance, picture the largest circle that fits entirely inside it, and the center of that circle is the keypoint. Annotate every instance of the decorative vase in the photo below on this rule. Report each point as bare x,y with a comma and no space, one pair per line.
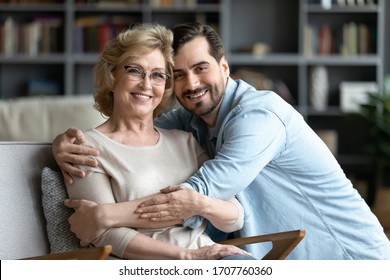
319,88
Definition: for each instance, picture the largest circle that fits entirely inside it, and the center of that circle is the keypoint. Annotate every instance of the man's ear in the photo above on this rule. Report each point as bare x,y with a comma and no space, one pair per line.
225,66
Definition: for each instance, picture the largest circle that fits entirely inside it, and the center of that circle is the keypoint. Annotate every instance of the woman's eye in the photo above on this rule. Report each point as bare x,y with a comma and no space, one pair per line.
158,75
134,70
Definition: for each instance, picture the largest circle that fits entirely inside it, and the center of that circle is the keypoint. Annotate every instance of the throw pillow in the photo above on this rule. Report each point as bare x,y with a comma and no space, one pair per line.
56,213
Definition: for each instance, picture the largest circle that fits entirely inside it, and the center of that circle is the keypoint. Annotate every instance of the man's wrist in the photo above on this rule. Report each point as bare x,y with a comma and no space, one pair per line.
203,205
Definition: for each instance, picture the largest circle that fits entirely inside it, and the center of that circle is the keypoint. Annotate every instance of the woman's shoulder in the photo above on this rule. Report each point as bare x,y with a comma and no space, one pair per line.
92,137
175,134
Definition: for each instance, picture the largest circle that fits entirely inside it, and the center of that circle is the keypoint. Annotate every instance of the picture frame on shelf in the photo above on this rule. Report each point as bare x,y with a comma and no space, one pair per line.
354,94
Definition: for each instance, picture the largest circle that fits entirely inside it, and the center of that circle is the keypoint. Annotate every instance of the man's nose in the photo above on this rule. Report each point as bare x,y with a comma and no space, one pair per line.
192,81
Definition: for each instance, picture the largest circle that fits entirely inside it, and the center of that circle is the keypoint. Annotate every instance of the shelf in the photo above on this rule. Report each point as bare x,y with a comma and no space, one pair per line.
356,60
317,8
37,59
87,59
268,59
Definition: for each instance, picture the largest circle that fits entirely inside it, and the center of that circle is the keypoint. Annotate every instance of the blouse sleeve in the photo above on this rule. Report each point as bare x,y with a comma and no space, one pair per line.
95,186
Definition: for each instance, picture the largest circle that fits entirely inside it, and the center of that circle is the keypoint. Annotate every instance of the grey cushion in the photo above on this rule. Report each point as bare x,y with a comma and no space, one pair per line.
56,213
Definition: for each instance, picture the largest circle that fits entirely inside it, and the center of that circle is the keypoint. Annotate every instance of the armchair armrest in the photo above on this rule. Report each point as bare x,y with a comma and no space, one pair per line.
282,242
96,253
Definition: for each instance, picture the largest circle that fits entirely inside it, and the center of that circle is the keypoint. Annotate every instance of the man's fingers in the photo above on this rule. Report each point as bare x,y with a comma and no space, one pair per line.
78,135
72,132
68,170
83,150
148,209
159,199
163,216
171,188
67,177
75,134
81,159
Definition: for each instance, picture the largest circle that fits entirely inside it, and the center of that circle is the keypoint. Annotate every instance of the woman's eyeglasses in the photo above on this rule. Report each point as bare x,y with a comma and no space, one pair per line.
138,74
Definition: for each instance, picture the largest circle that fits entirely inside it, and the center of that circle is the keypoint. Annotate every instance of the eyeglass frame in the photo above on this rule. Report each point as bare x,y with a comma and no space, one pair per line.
143,73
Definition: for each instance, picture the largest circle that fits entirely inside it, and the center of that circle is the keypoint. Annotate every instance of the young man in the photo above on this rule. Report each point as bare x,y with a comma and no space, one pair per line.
263,153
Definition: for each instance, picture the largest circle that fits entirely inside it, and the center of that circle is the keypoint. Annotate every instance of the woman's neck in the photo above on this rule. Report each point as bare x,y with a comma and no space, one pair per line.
130,132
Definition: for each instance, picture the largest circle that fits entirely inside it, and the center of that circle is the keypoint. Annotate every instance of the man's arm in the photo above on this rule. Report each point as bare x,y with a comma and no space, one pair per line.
96,210
250,142
67,151
141,246
226,215
91,219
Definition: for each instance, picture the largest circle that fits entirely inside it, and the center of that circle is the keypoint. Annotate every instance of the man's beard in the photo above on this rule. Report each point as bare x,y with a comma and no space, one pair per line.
215,100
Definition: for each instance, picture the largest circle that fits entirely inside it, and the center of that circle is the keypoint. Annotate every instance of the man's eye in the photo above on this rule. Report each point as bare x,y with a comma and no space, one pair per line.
178,76
202,68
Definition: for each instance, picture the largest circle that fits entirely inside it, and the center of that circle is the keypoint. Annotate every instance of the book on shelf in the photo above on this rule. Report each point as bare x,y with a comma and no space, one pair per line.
40,35
354,3
92,32
31,1
324,40
9,36
351,39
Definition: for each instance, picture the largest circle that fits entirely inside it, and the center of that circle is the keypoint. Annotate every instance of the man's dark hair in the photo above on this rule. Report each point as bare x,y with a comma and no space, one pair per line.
183,33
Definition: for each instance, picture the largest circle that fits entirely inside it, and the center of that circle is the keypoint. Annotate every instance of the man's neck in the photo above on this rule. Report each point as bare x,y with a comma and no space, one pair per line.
211,118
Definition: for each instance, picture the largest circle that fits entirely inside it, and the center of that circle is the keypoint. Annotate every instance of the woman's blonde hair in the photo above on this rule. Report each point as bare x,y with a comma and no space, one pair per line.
128,45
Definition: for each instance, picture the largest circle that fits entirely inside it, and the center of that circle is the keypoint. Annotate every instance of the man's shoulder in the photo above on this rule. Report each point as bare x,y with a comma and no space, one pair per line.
177,118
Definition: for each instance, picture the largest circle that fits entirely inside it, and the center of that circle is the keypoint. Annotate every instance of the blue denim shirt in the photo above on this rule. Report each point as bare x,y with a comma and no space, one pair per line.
284,176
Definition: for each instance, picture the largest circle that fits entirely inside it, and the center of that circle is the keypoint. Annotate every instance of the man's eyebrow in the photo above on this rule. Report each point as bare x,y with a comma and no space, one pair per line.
193,65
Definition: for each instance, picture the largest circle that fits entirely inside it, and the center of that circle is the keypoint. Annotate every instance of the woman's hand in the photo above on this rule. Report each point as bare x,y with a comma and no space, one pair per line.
142,247
215,252
85,222
67,151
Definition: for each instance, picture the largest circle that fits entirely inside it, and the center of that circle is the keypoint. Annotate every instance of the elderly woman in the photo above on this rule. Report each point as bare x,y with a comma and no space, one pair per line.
133,85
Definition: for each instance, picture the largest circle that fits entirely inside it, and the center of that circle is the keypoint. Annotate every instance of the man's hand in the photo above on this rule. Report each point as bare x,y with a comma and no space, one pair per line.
85,222
68,151
174,203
